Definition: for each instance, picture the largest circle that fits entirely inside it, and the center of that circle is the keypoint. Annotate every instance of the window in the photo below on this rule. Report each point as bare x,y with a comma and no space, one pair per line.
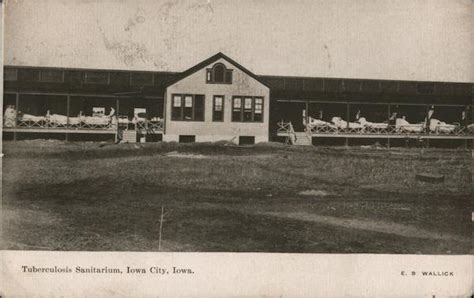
236,109
51,75
187,139
28,75
426,88
219,74
10,74
228,77
199,107
258,109
142,79
74,77
187,107
246,140
176,108
247,109
218,108
96,77
119,78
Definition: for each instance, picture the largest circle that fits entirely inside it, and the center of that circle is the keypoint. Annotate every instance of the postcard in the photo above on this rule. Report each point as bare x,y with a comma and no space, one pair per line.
214,148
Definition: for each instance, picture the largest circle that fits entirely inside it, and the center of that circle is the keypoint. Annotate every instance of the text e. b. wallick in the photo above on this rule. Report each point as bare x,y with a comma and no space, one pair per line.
428,273
437,273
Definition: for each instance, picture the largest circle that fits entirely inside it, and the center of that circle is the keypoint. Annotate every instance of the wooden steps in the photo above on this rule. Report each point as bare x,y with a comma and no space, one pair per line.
129,136
302,139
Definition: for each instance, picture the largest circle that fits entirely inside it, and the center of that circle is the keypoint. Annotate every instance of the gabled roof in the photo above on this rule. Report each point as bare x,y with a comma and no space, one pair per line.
213,59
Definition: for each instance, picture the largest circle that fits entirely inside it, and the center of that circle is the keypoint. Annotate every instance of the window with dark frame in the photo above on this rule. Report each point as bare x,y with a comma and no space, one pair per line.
141,78
187,139
425,88
28,75
228,77
187,107
219,74
119,78
247,109
52,75
198,107
258,109
246,140
97,77
218,108
74,76
237,109
10,74
176,107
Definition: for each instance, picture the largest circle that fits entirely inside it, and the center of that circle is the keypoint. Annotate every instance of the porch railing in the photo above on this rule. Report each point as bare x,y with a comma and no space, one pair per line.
412,129
47,123
286,128
148,126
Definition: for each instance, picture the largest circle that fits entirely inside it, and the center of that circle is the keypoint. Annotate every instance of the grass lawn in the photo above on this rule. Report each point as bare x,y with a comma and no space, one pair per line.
263,198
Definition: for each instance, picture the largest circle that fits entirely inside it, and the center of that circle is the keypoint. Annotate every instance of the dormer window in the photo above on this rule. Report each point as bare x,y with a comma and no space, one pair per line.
219,74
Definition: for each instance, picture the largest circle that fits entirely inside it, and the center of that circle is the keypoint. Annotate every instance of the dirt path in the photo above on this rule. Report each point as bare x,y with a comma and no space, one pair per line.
368,225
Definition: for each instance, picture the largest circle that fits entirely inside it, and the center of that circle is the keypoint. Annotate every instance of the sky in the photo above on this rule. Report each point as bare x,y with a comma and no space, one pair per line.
377,39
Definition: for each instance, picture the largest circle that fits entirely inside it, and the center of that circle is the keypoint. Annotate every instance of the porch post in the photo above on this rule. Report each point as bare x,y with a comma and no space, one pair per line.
306,115
117,107
17,106
67,115
427,120
348,114
68,106
165,112
388,114
389,126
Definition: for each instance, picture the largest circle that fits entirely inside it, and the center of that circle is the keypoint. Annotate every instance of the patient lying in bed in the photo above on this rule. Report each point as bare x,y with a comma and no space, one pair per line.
402,124
318,123
32,118
339,123
58,119
366,123
440,126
